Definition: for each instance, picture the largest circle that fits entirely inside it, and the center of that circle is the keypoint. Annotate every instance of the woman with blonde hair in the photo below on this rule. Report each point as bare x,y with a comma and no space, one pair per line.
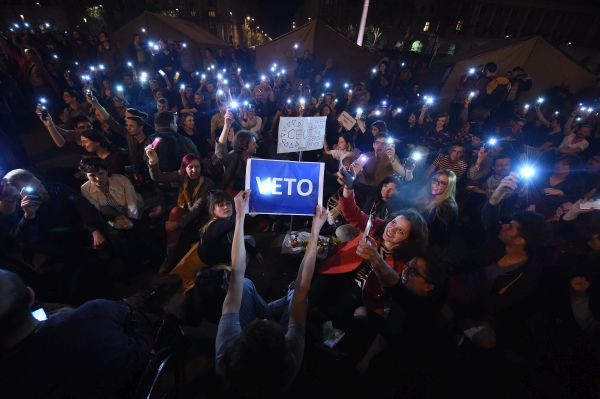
439,208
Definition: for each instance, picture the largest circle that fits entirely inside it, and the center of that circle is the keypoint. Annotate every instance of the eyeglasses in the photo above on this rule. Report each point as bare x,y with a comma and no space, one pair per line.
413,271
439,182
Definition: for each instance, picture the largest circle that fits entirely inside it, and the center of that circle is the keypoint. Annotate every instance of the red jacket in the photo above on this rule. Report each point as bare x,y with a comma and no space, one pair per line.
345,259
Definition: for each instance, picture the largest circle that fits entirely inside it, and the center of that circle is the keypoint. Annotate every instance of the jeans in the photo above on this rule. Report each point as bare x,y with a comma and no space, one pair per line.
255,307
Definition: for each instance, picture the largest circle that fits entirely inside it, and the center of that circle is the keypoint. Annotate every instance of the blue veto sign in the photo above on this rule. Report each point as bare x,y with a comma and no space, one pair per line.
284,187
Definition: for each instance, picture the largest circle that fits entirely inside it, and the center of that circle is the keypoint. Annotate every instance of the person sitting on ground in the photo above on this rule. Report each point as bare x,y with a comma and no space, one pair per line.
170,146
438,206
575,140
417,294
112,195
55,229
94,351
346,285
217,234
501,167
383,162
74,108
186,218
499,294
244,147
342,149
257,358
379,201
451,161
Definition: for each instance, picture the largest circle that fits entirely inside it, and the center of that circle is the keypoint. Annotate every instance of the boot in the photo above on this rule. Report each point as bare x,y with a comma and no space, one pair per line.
168,262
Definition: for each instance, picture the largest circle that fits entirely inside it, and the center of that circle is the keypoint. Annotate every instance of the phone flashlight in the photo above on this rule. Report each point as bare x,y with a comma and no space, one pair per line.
378,113
416,156
263,77
471,94
101,67
471,71
296,45
429,100
384,103
389,140
184,45
345,85
161,72
374,71
219,92
233,104
540,100
247,85
398,110
302,101
289,101
130,64
283,71
120,88
182,86
327,84
359,111
492,141
526,107
203,76
527,172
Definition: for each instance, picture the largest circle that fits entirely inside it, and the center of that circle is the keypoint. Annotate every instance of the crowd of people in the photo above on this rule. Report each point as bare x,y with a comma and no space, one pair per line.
463,240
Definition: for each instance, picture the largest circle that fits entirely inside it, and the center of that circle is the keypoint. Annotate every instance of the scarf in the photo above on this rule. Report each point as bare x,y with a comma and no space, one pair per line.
183,199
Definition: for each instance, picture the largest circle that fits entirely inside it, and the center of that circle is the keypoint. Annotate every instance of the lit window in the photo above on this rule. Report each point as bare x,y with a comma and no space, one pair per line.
426,27
459,25
212,13
416,47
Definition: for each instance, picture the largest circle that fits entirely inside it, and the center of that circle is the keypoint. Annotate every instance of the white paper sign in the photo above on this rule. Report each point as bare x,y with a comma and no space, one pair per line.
301,133
346,120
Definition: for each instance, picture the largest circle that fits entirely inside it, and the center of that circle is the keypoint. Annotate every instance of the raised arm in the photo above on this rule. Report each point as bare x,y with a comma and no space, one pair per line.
155,173
55,135
233,299
221,144
541,117
306,270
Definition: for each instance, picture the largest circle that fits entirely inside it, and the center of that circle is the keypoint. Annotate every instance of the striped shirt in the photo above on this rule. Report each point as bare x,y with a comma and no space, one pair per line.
442,161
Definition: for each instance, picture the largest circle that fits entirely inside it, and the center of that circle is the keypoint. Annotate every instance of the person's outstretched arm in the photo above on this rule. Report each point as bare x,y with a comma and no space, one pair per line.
307,268
233,299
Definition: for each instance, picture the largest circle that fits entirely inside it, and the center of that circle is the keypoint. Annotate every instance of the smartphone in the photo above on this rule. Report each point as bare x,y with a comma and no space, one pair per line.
44,113
348,178
590,204
367,229
39,314
161,72
29,191
155,142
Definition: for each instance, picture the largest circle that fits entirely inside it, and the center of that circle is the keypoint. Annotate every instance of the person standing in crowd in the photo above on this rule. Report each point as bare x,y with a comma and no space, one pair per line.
138,52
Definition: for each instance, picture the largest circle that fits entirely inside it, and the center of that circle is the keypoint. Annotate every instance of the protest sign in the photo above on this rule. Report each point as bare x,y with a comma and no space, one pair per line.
301,133
346,120
284,187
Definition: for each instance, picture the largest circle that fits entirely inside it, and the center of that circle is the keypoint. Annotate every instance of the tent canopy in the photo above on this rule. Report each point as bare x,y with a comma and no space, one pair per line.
162,27
350,60
547,65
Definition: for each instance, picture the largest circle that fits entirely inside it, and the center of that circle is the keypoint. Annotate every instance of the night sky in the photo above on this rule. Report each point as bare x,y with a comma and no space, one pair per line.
277,15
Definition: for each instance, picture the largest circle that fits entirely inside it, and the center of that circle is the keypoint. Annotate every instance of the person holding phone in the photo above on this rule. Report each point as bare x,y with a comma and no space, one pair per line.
59,232
346,285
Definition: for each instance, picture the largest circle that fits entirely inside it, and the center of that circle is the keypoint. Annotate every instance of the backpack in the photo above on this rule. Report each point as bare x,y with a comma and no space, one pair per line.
169,151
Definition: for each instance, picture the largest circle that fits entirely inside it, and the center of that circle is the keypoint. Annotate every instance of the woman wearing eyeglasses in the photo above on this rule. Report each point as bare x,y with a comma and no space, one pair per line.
346,286
439,208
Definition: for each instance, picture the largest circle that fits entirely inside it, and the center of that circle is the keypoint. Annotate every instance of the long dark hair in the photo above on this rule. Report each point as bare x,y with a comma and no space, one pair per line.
418,238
